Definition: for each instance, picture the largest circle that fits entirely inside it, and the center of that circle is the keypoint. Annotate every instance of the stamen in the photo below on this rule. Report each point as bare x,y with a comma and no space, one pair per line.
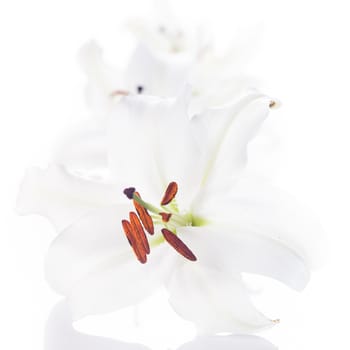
143,221
178,245
144,216
119,93
130,233
165,216
141,236
140,89
170,193
274,104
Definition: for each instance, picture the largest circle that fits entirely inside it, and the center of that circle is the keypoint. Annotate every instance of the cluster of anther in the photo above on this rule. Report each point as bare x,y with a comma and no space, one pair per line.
142,221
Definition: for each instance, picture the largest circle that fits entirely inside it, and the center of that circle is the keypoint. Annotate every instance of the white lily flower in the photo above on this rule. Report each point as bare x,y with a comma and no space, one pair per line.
166,59
145,73
220,224
216,77
85,146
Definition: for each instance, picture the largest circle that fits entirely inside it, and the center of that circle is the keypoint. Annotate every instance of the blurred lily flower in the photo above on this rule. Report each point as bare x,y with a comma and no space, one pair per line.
167,57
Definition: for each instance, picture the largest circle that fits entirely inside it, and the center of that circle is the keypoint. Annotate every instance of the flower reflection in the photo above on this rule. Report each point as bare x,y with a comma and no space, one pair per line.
60,334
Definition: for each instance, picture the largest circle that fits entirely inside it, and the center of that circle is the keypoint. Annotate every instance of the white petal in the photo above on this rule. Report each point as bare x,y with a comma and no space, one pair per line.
92,263
236,251
233,342
226,133
85,244
118,285
253,205
158,146
215,91
213,300
92,63
102,78
148,34
168,37
158,76
84,147
60,196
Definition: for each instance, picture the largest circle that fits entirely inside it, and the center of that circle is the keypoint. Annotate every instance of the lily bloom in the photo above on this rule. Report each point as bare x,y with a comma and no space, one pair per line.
166,58
181,213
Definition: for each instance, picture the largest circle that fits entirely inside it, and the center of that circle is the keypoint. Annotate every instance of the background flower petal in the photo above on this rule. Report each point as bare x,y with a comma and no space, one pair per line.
158,75
102,78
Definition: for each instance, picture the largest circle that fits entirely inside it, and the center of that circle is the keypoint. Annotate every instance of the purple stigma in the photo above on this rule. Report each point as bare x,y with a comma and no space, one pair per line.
129,192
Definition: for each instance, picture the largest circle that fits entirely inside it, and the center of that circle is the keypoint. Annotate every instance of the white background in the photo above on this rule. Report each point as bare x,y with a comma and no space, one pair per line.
303,59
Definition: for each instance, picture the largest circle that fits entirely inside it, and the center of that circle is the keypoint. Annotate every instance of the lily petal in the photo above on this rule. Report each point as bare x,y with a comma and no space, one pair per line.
92,263
169,37
217,90
86,244
157,75
254,205
60,196
215,301
236,251
120,284
103,79
159,147
226,132
84,147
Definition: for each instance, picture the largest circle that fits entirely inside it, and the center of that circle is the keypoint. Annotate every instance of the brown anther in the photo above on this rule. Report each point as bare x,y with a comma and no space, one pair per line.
140,233
274,104
119,93
165,216
178,245
131,233
170,193
144,216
